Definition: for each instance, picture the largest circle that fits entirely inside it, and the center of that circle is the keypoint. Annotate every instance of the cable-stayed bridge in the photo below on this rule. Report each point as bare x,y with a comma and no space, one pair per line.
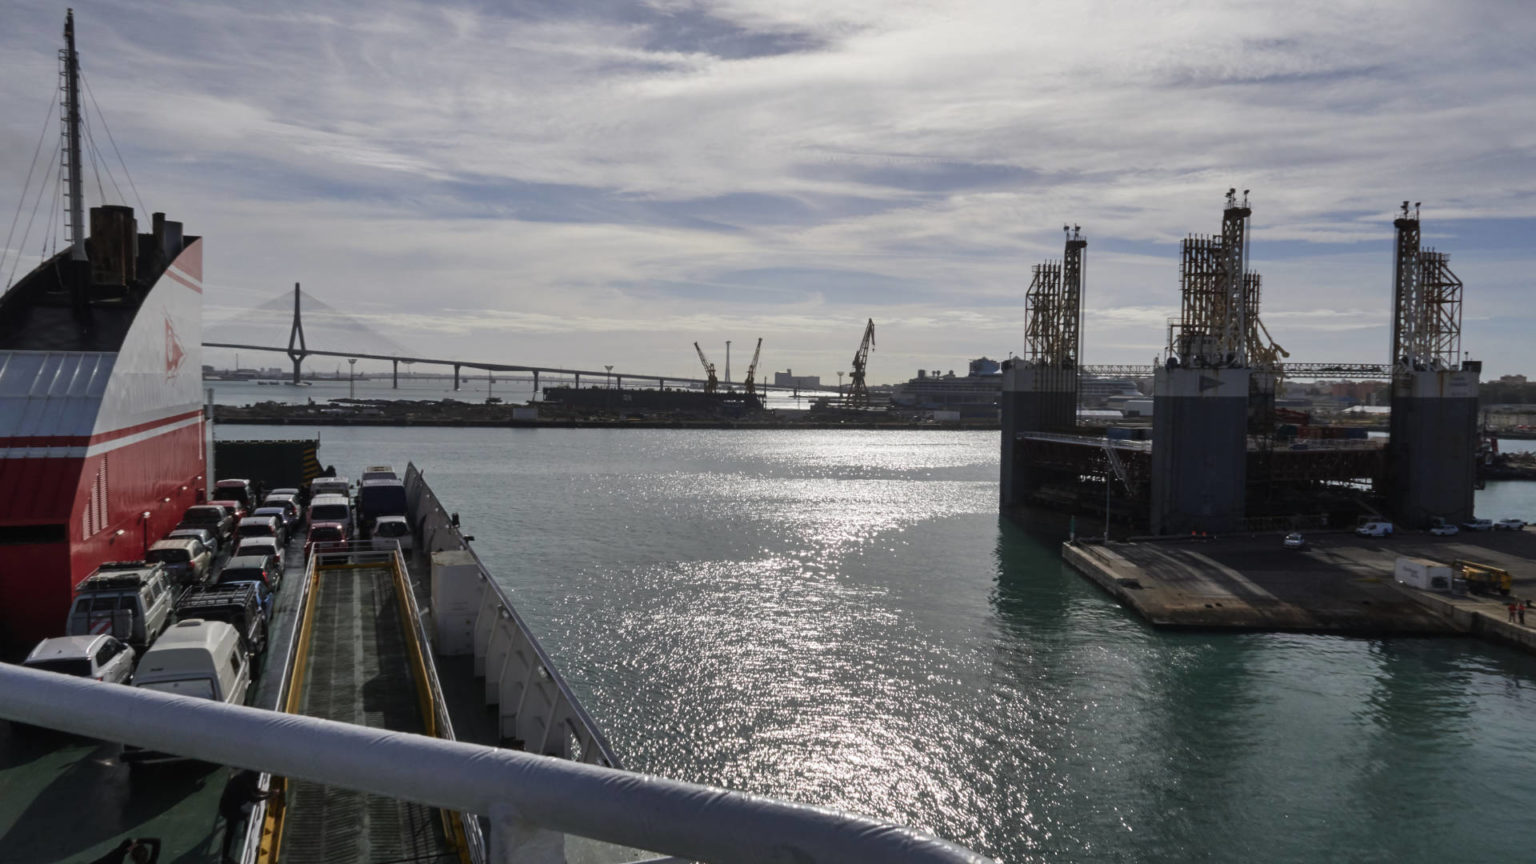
339,325
354,339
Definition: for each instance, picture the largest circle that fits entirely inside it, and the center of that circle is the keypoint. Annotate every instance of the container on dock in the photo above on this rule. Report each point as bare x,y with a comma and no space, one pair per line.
1423,573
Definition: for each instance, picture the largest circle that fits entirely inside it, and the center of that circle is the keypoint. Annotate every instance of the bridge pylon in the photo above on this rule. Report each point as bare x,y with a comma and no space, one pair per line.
296,338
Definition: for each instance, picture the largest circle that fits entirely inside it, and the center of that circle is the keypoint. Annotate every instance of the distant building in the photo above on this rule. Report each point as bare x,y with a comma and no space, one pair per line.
788,378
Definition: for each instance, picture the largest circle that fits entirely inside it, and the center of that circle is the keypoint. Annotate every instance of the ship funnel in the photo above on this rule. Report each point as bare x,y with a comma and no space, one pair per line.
114,245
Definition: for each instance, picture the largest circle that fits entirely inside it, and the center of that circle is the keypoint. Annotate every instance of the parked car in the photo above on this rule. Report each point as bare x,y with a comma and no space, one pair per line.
239,490
331,508
261,546
378,472
247,568
377,498
288,504
330,486
127,599
186,559
1294,540
1510,524
326,532
391,530
100,656
236,604
212,517
1375,529
267,525
1478,525
234,508
208,536
202,659
1445,529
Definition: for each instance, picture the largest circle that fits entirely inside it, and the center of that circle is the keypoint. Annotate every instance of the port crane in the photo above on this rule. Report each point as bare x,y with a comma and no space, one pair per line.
713,383
858,394
752,369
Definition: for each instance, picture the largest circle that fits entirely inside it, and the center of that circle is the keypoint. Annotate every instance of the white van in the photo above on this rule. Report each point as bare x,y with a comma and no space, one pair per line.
202,659
332,508
330,486
1375,529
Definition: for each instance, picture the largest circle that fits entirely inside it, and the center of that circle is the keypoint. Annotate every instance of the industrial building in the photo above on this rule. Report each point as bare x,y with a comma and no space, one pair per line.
1219,458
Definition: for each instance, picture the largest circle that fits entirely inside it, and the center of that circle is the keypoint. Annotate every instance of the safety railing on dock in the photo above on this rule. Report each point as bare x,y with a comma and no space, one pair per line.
536,709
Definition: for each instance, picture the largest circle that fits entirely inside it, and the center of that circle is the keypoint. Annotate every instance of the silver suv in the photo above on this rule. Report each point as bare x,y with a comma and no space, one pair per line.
102,657
127,599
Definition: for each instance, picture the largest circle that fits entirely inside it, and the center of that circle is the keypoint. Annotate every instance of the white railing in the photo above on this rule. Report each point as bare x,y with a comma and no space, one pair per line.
524,796
536,709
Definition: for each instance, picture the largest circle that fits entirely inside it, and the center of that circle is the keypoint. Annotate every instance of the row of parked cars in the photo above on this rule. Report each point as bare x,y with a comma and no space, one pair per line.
177,622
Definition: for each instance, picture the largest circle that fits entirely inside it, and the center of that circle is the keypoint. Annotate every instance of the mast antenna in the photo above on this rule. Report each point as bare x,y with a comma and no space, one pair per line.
76,196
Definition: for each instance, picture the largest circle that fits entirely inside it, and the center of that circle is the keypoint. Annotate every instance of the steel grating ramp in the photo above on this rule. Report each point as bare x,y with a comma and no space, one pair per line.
357,671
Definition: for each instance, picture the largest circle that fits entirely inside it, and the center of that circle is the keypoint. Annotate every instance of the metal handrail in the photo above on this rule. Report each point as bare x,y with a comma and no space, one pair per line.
415,479
519,792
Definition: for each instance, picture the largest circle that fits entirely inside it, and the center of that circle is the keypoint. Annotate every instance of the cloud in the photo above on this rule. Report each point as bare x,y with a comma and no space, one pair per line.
712,170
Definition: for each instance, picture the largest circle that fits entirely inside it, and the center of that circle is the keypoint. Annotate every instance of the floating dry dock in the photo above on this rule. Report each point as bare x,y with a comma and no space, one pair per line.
1339,584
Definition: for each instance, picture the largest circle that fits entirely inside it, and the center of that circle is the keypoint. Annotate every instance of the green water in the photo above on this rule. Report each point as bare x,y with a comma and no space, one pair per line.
841,618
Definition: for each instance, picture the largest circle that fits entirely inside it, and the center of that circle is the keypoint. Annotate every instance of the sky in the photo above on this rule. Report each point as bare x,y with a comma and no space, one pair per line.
581,184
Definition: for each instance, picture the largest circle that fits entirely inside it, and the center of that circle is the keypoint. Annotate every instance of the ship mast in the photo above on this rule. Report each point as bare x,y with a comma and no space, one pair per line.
72,140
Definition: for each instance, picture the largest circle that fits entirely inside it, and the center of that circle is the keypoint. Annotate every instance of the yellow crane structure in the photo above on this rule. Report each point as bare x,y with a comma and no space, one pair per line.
711,384
858,393
752,369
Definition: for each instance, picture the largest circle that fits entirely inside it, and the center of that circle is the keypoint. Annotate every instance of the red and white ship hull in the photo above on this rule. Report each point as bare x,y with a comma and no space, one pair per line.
100,452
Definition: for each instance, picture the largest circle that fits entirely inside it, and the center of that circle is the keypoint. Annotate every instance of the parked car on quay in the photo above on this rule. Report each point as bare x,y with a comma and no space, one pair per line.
239,490
186,559
248,568
236,604
1375,529
261,546
1445,529
388,531
288,505
1294,540
208,536
1510,524
127,599
212,517
201,659
100,656
1478,524
264,525
235,509
326,532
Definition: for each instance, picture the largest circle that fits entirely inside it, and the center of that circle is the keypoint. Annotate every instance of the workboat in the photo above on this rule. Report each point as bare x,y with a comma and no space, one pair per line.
402,710
101,423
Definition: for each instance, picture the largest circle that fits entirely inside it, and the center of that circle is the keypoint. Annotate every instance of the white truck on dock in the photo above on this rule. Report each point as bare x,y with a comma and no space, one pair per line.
1424,573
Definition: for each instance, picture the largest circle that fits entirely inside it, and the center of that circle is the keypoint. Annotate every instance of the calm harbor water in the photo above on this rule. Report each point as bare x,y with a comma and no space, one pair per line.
841,618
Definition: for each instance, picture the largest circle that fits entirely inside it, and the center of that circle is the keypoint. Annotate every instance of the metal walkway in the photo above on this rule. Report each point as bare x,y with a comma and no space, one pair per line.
357,661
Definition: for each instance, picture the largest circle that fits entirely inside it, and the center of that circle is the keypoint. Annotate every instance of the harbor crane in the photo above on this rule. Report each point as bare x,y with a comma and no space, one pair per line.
752,369
858,394
713,383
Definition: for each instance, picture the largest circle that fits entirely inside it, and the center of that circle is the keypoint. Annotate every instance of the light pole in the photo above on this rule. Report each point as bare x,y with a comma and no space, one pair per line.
727,364
608,391
351,377
839,387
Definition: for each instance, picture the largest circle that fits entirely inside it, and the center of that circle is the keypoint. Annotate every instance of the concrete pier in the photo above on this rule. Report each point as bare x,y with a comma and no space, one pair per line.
1340,584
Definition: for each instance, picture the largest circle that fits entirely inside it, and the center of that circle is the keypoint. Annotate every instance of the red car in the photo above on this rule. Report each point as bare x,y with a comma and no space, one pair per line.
326,532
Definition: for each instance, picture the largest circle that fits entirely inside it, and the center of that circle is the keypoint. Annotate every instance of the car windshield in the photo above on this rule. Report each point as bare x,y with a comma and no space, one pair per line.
255,529
256,546
67,666
390,529
328,512
201,688
238,574
169,556
325,534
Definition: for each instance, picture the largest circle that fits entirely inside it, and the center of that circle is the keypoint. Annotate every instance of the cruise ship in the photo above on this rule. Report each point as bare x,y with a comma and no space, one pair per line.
102,443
